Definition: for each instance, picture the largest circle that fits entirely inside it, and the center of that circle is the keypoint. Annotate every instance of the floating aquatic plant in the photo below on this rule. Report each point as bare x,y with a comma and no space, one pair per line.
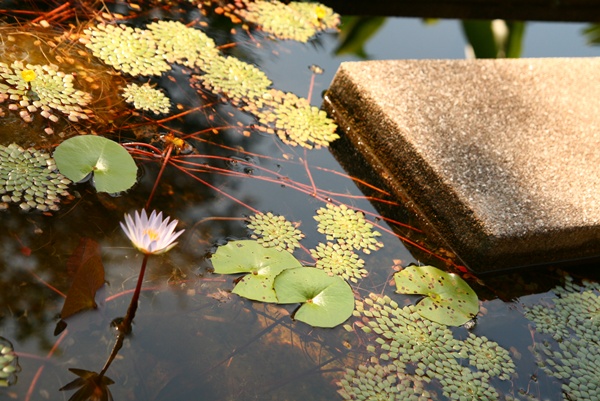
294,120
131,50
151,235
340,261
448,298
262,264
487,356
430,348
464,384
372,381
9,364
41,89
29,178
182,44
326,301
573,320
144,97
111,167
348,227
295,21
235,79
274,231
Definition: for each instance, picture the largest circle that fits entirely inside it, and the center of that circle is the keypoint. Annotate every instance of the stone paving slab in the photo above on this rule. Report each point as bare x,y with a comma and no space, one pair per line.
501,156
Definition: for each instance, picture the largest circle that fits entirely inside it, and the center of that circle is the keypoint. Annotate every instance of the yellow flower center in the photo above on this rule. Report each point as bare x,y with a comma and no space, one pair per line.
152,234
321,12
28,75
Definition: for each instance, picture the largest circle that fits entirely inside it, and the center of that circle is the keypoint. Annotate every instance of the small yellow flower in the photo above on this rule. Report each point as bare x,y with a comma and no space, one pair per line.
28,75
151,235
321,12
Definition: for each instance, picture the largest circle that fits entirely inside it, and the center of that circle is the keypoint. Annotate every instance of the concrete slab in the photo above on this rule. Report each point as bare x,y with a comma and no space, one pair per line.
501,156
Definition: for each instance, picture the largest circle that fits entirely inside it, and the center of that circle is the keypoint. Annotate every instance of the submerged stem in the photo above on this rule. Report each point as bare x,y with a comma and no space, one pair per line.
124,327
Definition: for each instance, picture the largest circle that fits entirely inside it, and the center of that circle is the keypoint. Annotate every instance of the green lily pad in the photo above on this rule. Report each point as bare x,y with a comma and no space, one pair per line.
448,298
262,264
112,167
327,300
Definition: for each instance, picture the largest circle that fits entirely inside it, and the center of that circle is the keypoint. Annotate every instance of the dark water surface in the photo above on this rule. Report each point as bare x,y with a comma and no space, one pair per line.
192,339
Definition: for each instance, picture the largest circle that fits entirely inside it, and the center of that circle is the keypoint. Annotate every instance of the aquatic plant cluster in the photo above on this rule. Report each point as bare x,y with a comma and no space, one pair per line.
295,20
45,89
348,227
149,52
462,368
274,231
573,321
28,177
9,363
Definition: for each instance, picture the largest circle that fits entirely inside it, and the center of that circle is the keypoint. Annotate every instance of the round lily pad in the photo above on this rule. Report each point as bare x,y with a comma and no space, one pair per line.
262,264
327,300
112,167
448,298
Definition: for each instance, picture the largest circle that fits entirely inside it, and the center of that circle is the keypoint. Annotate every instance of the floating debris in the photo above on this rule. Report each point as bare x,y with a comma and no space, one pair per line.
348,227
41,89
272,231
573,320
340,261
184,45
131,50
29,178
144,97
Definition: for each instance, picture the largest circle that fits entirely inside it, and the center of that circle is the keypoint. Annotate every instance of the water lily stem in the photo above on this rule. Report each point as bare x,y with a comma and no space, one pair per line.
124,327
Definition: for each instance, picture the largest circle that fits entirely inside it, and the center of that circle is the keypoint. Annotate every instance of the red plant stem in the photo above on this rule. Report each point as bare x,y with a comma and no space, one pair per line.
160,173
41,368
124,327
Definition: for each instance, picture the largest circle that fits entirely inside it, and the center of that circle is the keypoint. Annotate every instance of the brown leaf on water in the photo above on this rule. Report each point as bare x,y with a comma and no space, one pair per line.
86,263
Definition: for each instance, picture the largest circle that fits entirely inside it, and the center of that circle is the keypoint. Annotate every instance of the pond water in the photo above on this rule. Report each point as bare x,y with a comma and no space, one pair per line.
192,338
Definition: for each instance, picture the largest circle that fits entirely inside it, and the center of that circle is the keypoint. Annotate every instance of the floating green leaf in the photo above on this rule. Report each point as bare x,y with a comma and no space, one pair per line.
263,264
112,166
327,300
448,298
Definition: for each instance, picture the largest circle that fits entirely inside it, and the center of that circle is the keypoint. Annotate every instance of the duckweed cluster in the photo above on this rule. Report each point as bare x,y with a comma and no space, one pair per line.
348,227
131,50
296,21
274,231
150,51
9,365
572,319
183,45
29,178
295,121
144,97
338,260
430,349
373,381
42,89
235,79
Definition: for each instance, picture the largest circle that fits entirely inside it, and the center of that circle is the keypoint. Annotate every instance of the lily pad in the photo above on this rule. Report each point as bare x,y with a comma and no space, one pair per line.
112,167
262,264
448,298
327,300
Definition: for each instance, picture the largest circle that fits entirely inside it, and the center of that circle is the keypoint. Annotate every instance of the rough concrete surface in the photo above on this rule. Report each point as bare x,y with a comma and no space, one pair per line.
501,156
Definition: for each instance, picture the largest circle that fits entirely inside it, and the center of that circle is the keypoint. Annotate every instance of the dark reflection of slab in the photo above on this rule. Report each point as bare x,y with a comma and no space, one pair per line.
501,156
534,10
